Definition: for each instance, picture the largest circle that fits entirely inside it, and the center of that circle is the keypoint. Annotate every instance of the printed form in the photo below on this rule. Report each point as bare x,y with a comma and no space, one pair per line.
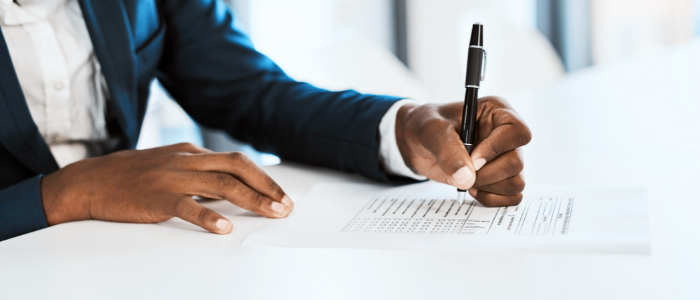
405,214
427,216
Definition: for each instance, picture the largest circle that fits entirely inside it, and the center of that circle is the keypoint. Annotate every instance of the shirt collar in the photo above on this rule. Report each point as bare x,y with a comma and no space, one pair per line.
4,6
30,11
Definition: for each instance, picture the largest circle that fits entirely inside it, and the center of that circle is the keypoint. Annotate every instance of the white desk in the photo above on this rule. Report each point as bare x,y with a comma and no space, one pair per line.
634,123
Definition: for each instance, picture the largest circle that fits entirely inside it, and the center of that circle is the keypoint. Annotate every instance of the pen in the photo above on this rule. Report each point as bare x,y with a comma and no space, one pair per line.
476,67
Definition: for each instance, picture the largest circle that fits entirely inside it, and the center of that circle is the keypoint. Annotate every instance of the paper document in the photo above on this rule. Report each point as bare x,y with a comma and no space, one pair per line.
405,214
427,216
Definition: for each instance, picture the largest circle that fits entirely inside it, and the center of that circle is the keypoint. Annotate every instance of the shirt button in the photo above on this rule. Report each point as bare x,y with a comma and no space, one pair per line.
58,86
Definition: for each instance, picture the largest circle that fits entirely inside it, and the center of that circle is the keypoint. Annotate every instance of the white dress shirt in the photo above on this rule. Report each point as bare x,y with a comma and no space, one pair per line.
389,154
62,83
60,76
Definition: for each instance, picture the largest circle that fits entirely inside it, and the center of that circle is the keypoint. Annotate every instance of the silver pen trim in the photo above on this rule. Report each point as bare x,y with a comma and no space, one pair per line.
461,197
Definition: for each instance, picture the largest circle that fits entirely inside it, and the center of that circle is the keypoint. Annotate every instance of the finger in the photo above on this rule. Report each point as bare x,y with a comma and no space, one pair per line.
224,186
442,141
508,187
188,148
178,148
494,200
503,167
193,212
240,166
501,130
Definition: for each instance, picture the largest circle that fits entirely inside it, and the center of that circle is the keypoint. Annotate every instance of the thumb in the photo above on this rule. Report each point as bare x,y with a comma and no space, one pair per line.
452,157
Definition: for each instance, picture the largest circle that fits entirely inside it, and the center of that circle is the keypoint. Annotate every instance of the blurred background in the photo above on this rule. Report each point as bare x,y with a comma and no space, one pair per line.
417,48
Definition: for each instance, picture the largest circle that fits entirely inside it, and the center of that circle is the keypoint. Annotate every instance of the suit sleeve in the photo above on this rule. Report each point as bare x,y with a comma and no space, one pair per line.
21,209
211,68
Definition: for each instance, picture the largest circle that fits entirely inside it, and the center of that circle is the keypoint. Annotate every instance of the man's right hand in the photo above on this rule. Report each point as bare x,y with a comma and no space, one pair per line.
149,186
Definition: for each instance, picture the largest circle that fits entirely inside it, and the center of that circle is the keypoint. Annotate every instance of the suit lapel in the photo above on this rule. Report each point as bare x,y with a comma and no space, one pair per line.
110,32
109,29
18,132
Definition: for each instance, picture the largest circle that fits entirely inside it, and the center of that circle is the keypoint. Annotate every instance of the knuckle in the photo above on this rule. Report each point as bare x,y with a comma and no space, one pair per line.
239,156
524,134
497,148
516,163
188,147
502,102
494,102
515,186
277,190
516,200
488,99
202,215
258,200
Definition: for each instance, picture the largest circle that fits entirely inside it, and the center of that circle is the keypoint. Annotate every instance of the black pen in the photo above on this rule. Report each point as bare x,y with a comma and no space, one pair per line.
476,66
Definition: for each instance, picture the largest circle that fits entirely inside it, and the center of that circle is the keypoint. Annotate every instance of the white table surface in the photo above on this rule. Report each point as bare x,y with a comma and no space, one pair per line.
632,123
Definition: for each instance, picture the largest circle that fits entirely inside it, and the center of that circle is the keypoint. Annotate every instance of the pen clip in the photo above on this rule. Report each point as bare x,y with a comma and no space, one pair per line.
483,68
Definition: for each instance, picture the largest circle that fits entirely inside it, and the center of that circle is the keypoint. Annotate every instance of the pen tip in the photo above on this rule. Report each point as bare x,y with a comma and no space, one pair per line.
461,197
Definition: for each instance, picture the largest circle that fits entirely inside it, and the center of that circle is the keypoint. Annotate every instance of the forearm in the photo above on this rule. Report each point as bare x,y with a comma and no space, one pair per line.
334,129
233,87
21,209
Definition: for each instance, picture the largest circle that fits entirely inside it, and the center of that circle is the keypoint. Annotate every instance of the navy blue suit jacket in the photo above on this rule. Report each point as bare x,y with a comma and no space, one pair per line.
212,70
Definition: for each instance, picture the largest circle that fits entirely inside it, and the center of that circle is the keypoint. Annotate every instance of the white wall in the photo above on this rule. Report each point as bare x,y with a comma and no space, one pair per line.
334,44
283,28
439,32
624,28
697,17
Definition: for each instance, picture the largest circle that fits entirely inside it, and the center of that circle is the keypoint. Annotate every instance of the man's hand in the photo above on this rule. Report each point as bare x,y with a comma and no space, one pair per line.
428,138
148,186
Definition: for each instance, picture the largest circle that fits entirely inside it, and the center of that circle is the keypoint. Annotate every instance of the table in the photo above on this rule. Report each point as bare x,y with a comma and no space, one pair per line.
631,123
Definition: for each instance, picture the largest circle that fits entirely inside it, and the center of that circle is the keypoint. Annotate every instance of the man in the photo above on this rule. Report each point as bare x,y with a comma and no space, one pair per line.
74,81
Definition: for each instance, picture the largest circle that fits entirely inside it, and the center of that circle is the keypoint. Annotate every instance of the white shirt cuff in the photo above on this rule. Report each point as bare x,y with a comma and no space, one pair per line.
389,155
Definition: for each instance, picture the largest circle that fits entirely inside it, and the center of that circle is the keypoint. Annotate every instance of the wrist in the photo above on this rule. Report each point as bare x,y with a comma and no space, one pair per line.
401,134
61,205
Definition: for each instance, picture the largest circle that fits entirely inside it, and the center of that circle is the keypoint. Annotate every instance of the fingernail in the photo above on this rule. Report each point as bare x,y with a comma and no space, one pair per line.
221,224
479,163
277,207
462,176
473,192
287,201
